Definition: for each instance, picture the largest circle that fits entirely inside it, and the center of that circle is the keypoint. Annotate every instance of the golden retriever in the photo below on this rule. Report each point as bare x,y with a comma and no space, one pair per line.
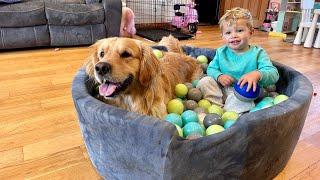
131,77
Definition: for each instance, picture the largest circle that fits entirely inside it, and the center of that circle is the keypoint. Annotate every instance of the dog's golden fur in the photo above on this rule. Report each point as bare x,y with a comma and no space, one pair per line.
153,81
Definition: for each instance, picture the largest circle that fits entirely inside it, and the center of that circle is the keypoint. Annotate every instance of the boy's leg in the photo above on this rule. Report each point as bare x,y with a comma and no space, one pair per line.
211,90
232,103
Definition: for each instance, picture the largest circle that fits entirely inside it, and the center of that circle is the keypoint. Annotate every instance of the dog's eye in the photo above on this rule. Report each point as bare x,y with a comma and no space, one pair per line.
125,54
101,54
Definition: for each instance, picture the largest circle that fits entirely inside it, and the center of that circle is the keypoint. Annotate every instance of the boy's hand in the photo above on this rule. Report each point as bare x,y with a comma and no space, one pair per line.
251,78
225,80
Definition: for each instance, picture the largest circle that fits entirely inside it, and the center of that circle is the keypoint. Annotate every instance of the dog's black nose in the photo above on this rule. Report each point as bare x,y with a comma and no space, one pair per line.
102,68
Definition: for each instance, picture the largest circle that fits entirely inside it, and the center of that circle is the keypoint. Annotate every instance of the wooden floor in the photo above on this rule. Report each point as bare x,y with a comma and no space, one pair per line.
39,131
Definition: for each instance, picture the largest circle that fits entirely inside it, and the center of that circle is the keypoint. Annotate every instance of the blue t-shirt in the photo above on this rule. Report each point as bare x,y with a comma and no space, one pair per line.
237,64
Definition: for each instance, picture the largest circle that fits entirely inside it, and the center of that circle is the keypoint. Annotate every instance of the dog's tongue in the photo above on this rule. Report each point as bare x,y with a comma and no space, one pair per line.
107,89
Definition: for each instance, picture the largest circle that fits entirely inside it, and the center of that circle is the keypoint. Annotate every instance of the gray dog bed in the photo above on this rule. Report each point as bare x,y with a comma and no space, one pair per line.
126,145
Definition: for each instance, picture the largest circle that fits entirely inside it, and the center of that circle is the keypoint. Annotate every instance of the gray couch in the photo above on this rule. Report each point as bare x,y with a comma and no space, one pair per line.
35,23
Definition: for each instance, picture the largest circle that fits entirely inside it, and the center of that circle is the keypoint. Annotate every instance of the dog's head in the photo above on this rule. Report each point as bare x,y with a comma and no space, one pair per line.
120,65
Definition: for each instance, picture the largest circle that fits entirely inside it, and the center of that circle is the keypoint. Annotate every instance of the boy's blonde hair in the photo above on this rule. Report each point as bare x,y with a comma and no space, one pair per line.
234,14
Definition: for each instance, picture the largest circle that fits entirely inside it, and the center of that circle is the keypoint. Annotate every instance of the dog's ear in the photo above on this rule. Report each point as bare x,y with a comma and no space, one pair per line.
93,57
149,66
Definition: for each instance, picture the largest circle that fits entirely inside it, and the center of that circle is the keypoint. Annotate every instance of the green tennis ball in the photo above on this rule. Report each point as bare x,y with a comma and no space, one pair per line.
179,129
213,129
158,53
280,98
229,115
204,103
202,59
215,109
181,90
175,106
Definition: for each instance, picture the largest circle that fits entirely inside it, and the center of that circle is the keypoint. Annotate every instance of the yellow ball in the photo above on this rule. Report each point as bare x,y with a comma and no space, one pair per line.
181,90
180,132
204,103
158,53
175,106
213,129
229,115
215,109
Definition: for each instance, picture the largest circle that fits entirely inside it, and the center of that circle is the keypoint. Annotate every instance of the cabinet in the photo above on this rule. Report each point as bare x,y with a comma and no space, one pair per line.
289,16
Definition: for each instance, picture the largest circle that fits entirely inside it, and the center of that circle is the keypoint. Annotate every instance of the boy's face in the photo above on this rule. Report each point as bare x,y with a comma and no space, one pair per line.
237,35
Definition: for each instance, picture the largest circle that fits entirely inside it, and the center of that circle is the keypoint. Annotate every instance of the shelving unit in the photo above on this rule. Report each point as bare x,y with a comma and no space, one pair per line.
289,16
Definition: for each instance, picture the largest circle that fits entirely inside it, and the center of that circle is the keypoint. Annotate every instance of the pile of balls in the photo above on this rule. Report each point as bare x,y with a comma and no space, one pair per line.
194,116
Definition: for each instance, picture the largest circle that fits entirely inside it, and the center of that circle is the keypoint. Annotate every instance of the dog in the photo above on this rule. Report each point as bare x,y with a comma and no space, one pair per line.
131,77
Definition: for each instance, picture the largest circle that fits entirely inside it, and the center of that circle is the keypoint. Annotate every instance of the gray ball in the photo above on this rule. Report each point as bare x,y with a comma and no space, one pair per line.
194,94
212,119
191,104
189,85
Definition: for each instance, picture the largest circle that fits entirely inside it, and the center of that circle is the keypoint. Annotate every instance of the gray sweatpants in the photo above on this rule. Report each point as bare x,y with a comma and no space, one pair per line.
222,96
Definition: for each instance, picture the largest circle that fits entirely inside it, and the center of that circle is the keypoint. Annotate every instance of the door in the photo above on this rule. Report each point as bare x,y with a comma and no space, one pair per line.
256,7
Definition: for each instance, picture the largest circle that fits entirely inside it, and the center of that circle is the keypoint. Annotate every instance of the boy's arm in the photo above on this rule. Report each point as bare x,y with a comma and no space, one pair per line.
213,69
269,73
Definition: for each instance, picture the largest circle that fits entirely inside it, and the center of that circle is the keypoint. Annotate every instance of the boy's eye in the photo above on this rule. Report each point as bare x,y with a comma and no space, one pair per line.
228,32
240,30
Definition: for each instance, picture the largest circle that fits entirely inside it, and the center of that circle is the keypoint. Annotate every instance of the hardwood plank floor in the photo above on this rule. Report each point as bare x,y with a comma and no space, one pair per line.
39,133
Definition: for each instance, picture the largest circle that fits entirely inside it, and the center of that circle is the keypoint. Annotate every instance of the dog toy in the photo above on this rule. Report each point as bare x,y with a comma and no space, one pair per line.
175,106
202,59
127,28
213,129
158,53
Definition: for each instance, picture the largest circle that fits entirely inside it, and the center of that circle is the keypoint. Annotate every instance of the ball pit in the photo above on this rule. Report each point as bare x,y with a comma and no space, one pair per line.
127,145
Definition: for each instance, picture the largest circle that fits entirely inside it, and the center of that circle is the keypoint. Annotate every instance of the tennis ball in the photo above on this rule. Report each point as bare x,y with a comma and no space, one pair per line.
229,115
215,109
202,59
213,129
181,90
179,129
175,106
278,99
204,103
158,53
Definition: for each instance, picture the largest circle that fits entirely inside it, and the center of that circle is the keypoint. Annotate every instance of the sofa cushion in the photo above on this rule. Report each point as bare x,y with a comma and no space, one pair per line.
30,13
75,35
24,37
66,1
74,14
